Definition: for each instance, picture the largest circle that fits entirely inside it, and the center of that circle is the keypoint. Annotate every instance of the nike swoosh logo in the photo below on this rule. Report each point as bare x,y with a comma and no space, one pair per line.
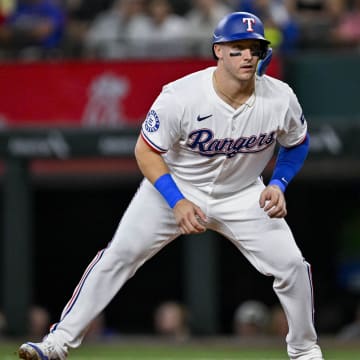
201,118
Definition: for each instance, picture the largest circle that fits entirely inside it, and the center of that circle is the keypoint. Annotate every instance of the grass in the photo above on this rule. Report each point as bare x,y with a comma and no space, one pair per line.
194,351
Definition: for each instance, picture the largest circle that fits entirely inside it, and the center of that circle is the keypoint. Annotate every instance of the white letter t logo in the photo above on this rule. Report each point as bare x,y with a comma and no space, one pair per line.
250,22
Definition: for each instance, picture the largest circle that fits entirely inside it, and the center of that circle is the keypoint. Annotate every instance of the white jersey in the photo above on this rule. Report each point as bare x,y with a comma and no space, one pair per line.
213,146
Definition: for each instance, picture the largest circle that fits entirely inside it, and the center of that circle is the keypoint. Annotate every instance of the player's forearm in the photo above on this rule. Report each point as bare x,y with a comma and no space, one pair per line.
288,164
157,172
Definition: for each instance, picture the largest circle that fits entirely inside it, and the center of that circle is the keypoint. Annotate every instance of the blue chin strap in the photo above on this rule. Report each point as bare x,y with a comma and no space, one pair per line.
264,63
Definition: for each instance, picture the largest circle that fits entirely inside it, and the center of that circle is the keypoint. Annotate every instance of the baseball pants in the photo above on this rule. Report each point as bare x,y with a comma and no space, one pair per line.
148,225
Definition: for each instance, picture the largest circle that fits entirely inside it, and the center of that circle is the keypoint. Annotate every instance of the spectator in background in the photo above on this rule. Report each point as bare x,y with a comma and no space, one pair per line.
85,11
114,33
171,320
6,8
315,23
347,32
202,19
34,30
181,7
3,325
351,331
164,34
80,13
251,318
39,322
278,323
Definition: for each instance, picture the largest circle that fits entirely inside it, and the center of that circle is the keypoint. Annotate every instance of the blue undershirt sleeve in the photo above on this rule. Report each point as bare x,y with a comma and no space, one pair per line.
288,163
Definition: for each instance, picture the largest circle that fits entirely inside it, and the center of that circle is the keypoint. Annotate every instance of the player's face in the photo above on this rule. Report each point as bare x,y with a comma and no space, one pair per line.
239,58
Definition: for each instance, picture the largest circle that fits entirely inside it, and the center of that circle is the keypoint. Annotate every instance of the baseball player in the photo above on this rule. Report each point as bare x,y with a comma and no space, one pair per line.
202,149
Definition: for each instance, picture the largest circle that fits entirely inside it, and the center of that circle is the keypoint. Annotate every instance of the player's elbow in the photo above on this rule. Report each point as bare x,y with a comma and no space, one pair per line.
140,149
150,162
137,151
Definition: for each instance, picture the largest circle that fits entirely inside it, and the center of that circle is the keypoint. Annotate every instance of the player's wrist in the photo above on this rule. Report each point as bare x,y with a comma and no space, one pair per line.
278,183
167,187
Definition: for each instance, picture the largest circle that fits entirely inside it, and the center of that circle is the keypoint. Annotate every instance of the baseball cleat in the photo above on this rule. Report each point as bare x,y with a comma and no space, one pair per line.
40,351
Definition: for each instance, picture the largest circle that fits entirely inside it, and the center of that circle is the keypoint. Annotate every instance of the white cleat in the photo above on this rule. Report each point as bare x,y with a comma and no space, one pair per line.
314,353
41,351
311,358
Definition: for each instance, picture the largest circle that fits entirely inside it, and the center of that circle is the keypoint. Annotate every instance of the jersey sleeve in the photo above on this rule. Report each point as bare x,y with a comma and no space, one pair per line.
161,128
295,125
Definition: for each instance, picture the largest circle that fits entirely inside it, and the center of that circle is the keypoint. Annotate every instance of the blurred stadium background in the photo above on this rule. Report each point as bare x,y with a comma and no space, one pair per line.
73,94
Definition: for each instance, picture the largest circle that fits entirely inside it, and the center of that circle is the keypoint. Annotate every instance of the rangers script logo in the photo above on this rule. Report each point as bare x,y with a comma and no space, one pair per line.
203,142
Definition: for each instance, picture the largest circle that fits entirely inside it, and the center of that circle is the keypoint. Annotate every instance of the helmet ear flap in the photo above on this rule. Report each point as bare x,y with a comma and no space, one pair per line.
264,62
264,50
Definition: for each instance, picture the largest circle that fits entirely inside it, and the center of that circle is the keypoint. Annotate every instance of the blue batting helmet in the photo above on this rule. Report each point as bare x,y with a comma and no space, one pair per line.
240,26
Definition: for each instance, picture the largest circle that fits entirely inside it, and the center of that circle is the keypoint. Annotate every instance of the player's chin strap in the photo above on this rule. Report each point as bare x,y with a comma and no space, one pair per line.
264,63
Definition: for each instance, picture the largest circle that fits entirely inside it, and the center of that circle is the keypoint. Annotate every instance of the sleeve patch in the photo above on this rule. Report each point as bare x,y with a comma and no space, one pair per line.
152,122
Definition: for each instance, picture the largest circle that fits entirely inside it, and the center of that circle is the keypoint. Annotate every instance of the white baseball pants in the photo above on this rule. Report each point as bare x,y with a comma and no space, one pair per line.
148,225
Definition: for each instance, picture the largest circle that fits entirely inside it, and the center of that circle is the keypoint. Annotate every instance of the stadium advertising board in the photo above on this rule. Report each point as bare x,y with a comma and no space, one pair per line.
88,94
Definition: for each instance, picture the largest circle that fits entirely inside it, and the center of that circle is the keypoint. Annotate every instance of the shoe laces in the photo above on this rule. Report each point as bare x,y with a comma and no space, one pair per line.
50,351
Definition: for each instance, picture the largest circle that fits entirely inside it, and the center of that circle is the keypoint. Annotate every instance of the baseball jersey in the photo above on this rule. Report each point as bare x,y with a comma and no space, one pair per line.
217,148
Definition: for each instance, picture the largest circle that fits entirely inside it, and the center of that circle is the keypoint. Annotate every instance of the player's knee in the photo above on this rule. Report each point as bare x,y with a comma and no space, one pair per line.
124,246
127,255
290,271
287,263
295,264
